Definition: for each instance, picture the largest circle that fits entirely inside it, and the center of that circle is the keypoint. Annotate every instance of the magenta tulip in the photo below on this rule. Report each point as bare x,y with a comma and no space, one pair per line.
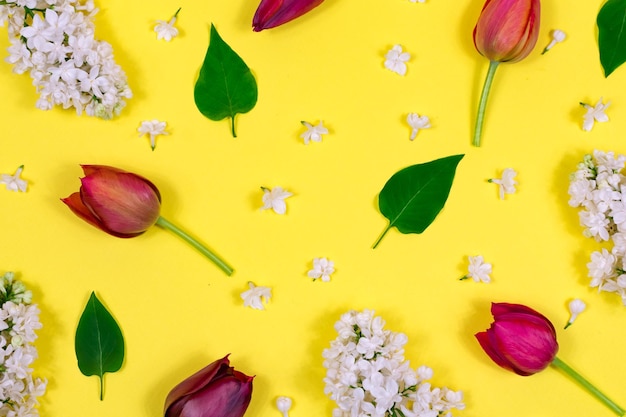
520,339
506,31
272,13
125,205
523,341
217,390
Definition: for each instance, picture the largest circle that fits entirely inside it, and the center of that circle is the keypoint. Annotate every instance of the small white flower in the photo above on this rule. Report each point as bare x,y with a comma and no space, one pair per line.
153,128
418,1
256,296
557,37
395,60
594,114
576,306
313,133
417,122
322,268
284,405
478,269
507,182
14,182
166,30
275,199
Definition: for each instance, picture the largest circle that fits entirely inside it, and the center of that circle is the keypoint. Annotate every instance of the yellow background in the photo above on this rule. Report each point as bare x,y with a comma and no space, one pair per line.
178,312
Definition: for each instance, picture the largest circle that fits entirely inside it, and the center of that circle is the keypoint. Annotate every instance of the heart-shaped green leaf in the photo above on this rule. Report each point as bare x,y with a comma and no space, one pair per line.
99,343
225,85
612,35
413,196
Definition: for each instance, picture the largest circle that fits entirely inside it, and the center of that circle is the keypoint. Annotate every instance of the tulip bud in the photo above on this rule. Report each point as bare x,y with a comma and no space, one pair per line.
272,13
120,203
507,30
520,339
215,391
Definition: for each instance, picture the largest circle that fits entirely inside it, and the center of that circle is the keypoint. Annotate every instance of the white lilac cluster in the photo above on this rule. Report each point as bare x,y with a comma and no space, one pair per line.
368,376
18,321
54,41
598,187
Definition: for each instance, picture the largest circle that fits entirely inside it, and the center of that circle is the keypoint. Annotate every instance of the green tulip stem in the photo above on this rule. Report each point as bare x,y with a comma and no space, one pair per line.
493,66
588,386
193,242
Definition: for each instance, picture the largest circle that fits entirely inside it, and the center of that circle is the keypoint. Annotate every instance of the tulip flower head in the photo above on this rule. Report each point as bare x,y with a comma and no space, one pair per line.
120,203
523,341
125,205
272,13
217,390
506,31
519,339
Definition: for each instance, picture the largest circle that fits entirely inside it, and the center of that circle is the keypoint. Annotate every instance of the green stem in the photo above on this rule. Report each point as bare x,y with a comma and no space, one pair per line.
382,235
493,66
161,221
232,126
588,386
101,387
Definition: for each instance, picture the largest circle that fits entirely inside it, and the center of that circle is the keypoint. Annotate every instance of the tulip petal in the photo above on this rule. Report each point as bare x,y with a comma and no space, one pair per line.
227,397
75,203
485,342
196,381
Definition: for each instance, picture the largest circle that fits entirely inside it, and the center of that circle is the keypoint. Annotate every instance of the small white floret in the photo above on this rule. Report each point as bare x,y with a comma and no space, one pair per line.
313,133
153,128
576,306
322,268
14,182
558,36
506,183
166,30
395,60
284,405
255,296
275,199
595,114
417,122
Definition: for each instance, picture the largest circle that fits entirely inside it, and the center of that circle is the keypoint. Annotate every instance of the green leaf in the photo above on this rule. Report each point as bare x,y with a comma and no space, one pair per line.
612,35
99,343
413,196
225,85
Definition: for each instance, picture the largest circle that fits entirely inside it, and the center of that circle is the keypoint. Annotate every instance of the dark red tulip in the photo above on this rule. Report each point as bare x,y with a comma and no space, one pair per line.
217,390
272,13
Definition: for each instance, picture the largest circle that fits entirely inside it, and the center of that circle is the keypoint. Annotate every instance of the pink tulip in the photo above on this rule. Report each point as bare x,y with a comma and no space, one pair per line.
506,31
125,205
523,341
520,339
272,13
217,390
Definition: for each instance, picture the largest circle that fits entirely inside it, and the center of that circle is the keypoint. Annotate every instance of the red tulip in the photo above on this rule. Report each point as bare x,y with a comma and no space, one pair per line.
218,390
272,13
524,341
506,31
125,205
520,339
118,202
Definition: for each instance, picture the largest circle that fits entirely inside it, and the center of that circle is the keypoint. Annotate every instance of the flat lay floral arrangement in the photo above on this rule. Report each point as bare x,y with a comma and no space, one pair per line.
362,222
